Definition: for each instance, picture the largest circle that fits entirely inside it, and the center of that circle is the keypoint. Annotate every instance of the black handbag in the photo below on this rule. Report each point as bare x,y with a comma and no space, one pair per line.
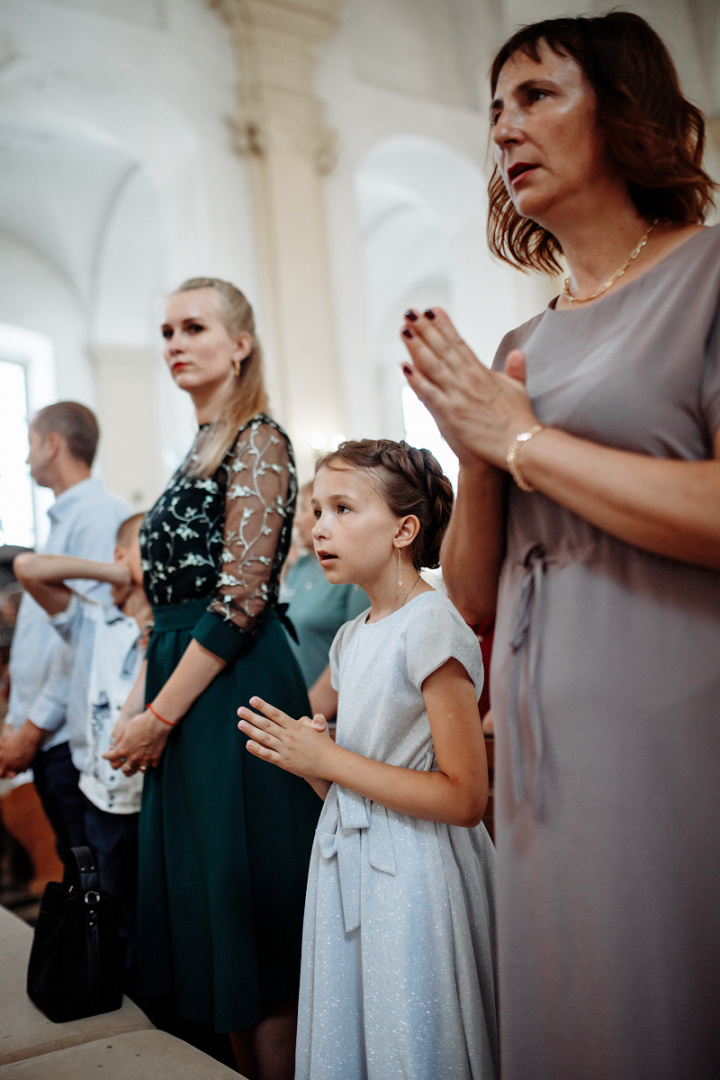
76,966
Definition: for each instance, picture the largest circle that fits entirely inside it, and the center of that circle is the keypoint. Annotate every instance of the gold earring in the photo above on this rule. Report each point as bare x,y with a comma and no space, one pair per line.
236,365
399,569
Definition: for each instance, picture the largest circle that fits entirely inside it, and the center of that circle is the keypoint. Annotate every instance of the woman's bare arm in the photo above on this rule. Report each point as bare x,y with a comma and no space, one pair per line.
143,739
196,670
474,544
133,705
669,508
455,794
323,696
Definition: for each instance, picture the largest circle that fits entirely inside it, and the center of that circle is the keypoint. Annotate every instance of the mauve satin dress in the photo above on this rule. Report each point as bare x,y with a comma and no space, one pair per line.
606,699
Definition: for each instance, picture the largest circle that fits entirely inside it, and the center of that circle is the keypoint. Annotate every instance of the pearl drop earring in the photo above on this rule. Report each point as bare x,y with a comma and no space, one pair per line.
399,569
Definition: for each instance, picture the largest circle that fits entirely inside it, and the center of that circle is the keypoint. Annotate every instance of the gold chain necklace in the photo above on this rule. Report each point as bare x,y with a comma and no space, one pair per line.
409,591
584,299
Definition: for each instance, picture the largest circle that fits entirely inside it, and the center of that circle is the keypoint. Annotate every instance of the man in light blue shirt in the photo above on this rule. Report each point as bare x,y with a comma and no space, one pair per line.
84,521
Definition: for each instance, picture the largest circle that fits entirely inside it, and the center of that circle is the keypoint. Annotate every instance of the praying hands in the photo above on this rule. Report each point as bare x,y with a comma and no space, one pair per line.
297,746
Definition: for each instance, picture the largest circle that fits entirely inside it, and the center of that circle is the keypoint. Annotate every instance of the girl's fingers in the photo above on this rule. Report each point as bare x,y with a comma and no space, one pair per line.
258,734
263,723
276,715
262,752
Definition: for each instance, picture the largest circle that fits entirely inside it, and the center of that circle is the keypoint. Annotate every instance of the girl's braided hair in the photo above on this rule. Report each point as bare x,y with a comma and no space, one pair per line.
411,482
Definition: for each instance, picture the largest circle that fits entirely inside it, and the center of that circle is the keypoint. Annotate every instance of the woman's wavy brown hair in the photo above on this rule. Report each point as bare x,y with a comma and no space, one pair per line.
411,482
653,134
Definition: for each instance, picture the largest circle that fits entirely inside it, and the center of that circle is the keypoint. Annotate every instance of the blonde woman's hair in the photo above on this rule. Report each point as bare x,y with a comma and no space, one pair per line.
249,395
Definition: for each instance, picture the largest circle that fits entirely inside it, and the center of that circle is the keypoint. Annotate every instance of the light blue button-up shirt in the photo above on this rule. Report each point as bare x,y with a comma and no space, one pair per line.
83,522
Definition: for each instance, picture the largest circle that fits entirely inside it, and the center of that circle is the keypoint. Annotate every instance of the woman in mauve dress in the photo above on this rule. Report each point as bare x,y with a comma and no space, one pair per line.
589,510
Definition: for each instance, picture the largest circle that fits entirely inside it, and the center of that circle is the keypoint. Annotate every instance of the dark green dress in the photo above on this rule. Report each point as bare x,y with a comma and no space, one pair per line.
224,838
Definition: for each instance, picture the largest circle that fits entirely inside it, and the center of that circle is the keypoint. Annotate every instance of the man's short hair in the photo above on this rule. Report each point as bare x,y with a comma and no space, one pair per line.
77,425
127,533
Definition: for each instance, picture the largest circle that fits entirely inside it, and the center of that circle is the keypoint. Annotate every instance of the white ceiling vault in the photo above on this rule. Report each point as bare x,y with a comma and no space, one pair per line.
60,184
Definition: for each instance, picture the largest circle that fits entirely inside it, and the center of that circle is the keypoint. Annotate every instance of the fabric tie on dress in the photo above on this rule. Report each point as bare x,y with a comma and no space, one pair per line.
343,840
524,643
281,610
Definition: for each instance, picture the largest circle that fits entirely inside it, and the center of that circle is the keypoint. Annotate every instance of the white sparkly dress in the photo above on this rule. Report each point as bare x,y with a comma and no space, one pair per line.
398,964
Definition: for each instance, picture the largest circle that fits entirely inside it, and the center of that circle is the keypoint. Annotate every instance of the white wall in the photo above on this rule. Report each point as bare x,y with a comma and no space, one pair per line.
119,182
404,85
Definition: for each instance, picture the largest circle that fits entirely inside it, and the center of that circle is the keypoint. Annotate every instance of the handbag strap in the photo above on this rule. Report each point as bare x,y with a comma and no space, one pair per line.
80,872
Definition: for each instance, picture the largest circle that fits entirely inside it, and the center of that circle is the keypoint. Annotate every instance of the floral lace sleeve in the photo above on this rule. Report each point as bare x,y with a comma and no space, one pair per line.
259,507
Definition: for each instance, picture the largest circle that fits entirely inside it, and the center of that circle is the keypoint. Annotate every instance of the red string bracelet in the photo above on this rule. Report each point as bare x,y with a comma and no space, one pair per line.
170,723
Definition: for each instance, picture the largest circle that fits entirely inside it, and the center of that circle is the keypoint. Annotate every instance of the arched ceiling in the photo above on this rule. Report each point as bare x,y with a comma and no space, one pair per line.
413,194
59,185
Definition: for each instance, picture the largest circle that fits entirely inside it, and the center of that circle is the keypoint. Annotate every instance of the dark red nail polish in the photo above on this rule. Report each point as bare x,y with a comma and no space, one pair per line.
407,333
429,314
407,370
410,314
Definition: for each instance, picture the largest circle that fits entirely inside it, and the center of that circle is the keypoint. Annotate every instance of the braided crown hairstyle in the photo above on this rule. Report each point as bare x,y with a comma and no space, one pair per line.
411,482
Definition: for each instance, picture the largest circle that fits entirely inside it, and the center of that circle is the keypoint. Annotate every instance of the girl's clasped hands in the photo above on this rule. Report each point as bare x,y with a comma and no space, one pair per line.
298,746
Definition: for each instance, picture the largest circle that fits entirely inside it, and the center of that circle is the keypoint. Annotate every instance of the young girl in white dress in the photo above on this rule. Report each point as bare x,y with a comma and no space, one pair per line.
398,974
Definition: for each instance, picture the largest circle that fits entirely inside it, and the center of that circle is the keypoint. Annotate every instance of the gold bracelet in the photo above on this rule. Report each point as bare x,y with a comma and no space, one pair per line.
512,461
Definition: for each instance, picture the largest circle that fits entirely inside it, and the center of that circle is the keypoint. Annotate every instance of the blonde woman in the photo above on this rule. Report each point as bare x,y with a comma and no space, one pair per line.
224,838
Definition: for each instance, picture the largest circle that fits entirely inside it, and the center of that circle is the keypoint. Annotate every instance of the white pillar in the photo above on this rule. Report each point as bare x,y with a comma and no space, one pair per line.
279,127
131,464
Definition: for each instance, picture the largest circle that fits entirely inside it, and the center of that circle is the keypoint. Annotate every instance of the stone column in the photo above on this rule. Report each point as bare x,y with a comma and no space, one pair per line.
130,458
279,127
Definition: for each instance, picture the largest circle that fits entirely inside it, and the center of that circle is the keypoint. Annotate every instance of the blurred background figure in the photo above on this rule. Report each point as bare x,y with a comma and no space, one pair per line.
10,596
28,859
316,608
84,519
107,651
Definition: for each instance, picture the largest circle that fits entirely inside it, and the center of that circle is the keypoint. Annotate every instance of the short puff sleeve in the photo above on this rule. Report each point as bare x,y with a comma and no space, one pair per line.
431,642
335,657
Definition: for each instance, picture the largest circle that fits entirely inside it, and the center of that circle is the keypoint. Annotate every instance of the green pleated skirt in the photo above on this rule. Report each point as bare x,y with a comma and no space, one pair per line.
225,839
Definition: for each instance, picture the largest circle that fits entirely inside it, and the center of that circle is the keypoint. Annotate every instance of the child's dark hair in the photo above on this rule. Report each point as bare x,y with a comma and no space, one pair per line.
411,482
